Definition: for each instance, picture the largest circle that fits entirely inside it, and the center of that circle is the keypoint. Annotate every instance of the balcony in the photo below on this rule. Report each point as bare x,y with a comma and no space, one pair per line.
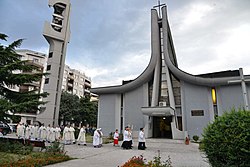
34,63
35,84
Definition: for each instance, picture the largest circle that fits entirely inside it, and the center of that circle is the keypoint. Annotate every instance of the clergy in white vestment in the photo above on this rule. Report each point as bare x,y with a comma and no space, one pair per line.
72,134
32,132
43,133
20,130
27,132
101,135
48,133
52,136
96,138
81,137
36,132
66,135
58,133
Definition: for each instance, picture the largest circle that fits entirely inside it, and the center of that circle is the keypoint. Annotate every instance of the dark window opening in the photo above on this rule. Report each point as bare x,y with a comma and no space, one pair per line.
48,67
46,80
50,54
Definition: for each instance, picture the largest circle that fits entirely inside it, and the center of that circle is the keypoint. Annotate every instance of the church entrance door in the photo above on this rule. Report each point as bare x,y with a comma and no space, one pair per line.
162,127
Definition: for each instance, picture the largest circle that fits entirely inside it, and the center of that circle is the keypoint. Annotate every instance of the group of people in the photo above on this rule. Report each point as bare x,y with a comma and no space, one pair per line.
127,139
52,134
69,135
97,138
42,133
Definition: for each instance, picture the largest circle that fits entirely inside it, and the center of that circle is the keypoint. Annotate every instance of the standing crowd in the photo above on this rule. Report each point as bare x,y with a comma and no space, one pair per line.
42,133
52,134
128,140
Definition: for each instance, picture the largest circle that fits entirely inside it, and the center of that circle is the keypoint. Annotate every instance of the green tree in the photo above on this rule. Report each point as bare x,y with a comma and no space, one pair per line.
75,110
69,107
89,110
10,68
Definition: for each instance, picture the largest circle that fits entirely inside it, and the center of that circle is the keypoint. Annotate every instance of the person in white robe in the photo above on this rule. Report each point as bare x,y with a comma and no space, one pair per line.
58,133
48,133
81,137
36,132
32,132
126,144
141,140
96,138
43,133
27,132
101,135
66,135
52,136
72,134
20,131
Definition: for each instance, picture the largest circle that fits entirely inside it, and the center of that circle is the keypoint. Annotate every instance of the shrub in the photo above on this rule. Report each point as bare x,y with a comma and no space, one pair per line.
226,141
141,162
158,163
135,162
55,148
15,147
195,138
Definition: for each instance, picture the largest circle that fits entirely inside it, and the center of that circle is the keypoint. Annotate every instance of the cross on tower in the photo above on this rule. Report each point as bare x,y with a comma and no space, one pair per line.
159,7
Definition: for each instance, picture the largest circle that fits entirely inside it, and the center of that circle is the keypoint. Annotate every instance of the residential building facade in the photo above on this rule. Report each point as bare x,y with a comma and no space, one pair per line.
39,61
76,82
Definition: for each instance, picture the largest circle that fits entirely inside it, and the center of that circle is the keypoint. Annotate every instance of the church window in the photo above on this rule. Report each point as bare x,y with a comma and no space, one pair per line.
214,99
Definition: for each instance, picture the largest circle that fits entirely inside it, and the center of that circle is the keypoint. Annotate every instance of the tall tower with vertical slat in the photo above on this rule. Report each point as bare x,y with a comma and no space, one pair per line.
57,33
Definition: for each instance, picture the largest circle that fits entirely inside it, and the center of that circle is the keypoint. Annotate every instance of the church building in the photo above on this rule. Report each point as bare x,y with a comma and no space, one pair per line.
166,101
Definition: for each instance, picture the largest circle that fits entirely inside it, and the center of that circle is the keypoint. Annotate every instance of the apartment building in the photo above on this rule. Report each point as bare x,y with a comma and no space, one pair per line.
35,59
38,60
76,82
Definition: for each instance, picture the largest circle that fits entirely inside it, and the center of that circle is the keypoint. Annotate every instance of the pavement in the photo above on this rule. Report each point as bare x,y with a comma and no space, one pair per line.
181,155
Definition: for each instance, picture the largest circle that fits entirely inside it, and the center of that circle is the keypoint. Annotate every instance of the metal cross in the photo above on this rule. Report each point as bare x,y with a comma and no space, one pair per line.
159,7
243,87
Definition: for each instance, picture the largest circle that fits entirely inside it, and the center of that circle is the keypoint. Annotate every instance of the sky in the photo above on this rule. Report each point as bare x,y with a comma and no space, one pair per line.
110,39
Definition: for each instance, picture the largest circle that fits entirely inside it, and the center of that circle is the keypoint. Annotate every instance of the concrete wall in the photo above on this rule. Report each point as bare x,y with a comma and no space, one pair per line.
133,101
199,98
107,113
229,97
196,98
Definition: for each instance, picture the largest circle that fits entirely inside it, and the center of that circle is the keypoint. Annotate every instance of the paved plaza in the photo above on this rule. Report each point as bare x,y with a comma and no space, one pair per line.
109,156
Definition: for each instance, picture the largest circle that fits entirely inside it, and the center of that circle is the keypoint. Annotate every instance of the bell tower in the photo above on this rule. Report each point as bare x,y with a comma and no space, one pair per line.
57,33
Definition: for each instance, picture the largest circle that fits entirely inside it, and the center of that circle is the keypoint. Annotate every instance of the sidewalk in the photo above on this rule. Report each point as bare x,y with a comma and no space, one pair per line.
181,155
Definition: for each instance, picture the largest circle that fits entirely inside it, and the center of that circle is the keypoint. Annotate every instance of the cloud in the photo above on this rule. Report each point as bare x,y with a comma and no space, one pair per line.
110,40
208,35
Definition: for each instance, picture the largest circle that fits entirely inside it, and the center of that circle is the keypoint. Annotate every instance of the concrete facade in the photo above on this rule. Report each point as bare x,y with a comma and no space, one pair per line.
76,82
57,33
166,101
38,60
